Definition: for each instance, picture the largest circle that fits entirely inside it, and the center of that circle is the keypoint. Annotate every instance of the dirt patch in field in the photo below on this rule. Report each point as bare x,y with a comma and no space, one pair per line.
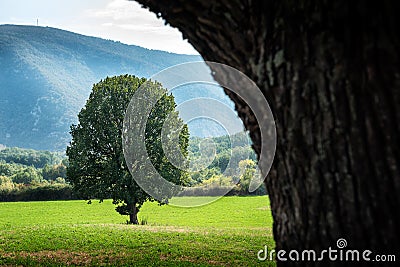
65,257
166,257
267,231
172,229
150,228
264,208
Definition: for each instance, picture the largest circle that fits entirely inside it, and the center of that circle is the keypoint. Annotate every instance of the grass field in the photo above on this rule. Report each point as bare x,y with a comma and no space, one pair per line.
228,232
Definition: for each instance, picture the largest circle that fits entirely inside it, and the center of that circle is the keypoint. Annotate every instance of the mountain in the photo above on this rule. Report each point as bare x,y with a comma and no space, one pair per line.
46,75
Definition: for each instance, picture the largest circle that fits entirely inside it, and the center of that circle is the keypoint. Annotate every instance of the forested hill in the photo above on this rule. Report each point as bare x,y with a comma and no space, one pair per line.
46,75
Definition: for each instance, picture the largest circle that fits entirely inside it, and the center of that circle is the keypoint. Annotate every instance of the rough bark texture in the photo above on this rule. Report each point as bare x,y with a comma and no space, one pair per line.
330,71
133,219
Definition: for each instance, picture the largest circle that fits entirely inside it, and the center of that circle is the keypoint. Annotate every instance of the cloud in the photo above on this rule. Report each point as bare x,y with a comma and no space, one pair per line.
107,24
148,27
128,22
122,10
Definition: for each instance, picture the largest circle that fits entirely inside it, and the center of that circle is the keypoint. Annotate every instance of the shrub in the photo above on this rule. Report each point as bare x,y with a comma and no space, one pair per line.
38,193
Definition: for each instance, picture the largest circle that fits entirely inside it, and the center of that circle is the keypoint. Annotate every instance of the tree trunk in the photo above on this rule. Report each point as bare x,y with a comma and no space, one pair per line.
331,73
133,214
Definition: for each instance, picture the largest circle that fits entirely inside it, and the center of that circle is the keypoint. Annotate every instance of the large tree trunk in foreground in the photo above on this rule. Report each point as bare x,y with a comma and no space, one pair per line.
331,73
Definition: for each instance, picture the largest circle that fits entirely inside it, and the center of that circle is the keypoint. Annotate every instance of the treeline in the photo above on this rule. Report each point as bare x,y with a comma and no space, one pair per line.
27,175
38,193
30,157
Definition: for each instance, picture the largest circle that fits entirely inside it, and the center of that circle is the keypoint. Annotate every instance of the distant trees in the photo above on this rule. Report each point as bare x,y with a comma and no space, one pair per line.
29,157
217,180
53,172
97,168
27,166
24,182
248,170
6,184
27,175
234,163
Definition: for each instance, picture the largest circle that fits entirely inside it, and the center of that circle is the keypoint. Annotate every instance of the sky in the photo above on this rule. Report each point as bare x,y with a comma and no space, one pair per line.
118,20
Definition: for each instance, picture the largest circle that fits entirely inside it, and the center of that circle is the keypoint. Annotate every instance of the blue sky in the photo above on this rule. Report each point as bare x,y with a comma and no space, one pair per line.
118,20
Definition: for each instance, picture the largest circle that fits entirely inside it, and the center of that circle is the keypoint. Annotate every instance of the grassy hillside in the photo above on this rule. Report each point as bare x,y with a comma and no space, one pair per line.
228,232
46,75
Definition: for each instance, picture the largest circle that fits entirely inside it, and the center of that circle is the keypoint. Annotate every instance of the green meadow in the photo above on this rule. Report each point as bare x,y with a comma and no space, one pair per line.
227,232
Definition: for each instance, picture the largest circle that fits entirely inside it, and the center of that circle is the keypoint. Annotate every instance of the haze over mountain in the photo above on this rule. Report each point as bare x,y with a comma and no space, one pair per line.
46,75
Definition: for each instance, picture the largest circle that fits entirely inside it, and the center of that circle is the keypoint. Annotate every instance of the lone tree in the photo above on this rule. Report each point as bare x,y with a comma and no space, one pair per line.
331,73
97,168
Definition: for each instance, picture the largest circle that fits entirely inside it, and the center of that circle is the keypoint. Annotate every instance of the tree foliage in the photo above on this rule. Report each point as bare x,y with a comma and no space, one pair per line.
27,181
225,168
29,157
97,168
28,175
54,172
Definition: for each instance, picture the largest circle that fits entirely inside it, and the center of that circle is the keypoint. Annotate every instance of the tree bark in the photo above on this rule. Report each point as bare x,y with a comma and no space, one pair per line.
331,73
133,219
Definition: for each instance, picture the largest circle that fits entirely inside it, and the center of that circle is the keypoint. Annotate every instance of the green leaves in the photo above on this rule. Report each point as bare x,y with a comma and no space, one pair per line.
97,168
